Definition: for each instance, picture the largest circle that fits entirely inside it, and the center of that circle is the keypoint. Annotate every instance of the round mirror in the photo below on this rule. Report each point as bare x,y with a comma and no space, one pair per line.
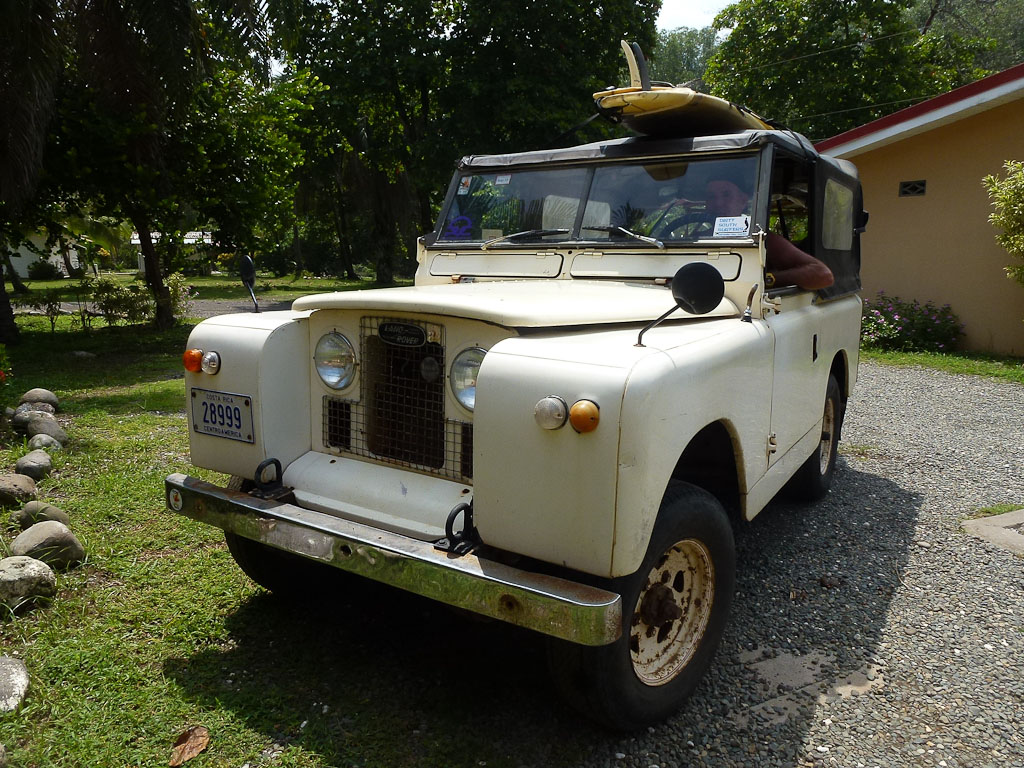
698,287
247,270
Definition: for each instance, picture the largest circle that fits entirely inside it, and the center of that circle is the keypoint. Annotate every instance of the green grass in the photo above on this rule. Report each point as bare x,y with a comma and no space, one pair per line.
229,286
1007,368
159,630
995,509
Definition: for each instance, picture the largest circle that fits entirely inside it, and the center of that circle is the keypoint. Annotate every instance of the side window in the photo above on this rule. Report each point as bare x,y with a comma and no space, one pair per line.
789,209
837,217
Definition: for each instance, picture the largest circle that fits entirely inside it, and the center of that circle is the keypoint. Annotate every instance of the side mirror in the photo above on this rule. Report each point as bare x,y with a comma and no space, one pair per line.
861,222
247,270
698,287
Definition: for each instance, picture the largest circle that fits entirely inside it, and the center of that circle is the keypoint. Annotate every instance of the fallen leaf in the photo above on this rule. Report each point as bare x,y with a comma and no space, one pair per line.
189,744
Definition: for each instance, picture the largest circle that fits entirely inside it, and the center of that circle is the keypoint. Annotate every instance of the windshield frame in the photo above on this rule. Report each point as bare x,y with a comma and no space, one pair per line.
577,236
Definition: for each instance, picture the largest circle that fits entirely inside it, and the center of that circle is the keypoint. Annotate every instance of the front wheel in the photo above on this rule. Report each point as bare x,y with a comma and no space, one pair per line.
674,612
814,478
283,573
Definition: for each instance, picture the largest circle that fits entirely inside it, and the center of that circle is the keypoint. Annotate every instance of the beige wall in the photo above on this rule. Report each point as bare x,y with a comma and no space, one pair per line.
940,247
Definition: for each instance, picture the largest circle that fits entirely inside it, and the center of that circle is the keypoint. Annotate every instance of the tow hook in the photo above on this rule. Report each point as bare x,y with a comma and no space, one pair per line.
273,489
463,542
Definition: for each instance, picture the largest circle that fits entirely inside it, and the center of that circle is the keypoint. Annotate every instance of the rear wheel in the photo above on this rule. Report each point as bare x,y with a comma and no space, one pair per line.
674,612
813,480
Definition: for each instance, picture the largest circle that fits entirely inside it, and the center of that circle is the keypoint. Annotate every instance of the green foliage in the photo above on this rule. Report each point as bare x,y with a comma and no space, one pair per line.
48,302
118,302
823,67
182,294
1007,195
681,55
42,269
892,324
999,23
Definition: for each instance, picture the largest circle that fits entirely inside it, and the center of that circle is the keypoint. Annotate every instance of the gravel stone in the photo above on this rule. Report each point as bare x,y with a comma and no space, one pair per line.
23,579
40,395
52,542
38,511
15,490
13,683
36,464
878,579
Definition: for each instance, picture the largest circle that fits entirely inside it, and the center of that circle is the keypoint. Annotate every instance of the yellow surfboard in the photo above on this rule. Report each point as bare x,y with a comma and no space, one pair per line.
671,110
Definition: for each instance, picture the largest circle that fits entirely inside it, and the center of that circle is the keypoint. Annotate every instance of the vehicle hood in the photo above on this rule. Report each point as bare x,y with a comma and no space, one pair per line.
519,303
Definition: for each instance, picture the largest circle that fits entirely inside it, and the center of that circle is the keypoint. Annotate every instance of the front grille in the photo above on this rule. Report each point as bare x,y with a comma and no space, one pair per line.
399,418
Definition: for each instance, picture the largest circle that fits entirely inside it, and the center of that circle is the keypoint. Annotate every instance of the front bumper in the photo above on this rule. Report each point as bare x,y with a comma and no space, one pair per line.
554,606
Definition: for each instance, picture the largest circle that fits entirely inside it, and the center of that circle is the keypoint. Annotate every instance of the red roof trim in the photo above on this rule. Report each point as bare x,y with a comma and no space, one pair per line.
924,107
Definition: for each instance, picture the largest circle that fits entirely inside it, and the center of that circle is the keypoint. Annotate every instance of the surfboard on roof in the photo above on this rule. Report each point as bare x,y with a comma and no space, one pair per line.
670,110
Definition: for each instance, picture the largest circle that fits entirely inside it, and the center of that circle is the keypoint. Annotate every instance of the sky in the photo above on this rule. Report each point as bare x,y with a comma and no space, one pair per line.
689,13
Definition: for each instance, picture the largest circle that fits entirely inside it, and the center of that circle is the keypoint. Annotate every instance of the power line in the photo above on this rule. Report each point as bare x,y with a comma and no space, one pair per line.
828,50
858,109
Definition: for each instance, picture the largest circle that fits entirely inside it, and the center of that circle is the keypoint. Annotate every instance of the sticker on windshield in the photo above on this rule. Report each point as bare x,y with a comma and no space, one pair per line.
464,185
459,228
503,178
731,226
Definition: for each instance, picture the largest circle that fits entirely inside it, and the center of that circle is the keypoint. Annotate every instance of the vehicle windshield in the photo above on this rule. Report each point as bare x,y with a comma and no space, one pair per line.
671,200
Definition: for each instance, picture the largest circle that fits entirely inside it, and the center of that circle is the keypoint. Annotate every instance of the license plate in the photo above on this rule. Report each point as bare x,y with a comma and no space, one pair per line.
222,414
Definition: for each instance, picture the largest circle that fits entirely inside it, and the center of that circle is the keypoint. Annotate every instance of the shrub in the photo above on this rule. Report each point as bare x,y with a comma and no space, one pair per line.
892,324
43,270
117,302
182,295
1007,195
49,303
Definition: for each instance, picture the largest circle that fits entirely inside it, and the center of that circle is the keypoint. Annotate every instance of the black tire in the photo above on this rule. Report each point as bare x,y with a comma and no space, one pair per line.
671,624
813,480
283,573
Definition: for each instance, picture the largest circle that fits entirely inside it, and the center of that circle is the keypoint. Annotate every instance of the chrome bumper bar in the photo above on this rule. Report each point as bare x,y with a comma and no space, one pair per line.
554,606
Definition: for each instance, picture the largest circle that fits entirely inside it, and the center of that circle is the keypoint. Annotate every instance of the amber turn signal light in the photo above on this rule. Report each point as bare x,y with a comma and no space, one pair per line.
584,415
192,360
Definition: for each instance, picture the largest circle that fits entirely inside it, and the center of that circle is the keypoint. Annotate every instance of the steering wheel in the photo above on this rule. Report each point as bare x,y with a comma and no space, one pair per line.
689,222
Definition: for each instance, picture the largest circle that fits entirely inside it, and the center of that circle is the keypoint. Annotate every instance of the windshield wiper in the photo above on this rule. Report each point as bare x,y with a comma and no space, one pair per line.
623,230
525,233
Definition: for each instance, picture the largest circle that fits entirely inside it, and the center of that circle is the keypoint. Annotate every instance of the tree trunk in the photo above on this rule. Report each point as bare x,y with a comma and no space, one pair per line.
65,254
9,333
383,228
16,285
341,227
154,277
300,265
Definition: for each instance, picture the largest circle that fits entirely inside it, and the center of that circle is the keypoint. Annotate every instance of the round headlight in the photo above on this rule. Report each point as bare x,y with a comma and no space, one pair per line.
210,363
335,360
465,369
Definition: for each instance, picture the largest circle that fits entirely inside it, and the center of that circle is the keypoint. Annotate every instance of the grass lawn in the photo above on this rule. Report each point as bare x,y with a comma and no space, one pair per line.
159,630
224,286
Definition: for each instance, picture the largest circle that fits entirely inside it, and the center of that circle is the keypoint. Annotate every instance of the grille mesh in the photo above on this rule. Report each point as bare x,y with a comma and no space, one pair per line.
399,418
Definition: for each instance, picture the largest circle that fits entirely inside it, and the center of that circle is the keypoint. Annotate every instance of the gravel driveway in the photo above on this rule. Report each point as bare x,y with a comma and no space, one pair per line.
900,639
867,630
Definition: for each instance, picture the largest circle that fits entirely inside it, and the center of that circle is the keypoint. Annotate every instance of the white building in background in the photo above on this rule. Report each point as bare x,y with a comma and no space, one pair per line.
191,238
23,257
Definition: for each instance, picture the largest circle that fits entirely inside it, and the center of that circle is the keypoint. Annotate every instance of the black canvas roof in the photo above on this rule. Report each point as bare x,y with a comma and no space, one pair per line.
645,146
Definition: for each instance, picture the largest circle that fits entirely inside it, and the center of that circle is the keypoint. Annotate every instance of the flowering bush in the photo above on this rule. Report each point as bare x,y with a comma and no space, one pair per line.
182,295
893,324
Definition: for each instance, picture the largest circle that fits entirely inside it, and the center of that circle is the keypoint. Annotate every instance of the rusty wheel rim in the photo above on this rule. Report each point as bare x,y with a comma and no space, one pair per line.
828,427
672,612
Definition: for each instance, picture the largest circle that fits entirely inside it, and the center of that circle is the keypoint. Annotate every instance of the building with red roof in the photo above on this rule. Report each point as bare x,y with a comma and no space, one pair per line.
929,237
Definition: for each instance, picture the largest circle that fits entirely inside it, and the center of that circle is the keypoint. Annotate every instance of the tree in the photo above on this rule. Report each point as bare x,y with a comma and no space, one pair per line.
1007,195
681,55
1000,23
822,67
414,86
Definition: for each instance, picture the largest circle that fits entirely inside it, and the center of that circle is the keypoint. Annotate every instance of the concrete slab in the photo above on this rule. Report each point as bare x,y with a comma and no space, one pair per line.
1006,531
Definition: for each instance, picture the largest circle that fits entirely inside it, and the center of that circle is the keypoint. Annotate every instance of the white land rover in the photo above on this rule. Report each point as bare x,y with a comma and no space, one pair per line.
560,423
